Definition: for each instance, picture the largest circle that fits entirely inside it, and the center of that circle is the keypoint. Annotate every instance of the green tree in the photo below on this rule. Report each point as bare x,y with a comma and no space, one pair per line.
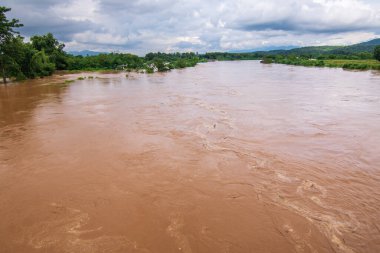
40,65
53,49
12,58
160,65
376,53
8,51
25,60
181,63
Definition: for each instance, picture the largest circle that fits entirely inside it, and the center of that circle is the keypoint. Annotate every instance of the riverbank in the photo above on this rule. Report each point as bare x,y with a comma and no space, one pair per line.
335,63
81,74
63,78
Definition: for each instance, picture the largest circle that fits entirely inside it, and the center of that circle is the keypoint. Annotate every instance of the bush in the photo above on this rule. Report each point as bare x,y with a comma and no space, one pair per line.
266,60
20,76
356,66
180,64
149,70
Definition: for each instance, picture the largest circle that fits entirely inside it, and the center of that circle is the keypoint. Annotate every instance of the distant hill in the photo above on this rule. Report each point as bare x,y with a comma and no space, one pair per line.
374,42
262,49
365,47
85,53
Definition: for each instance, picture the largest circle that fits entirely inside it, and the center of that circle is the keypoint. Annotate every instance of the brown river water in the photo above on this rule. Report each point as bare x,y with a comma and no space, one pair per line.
223,157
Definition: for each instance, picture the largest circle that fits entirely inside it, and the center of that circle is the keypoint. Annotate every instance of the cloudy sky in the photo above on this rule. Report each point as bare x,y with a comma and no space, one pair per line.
140,26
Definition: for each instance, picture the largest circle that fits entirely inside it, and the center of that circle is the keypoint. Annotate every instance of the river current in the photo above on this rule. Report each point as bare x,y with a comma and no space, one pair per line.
223,157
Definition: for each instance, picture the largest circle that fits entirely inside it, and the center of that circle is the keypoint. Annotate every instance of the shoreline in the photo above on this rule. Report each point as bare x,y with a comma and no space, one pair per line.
359,65
354,65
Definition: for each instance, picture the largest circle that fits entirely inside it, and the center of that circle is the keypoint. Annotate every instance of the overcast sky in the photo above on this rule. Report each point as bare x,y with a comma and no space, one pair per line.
141,26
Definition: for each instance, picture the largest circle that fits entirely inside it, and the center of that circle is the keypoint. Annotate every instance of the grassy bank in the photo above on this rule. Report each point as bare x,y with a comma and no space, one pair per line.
353,64
367,64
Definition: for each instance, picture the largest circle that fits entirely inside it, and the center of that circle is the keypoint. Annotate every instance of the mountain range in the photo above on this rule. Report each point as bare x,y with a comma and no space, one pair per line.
86,53
364,47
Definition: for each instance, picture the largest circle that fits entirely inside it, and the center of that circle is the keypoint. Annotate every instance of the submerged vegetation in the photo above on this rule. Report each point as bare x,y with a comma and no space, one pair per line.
44,54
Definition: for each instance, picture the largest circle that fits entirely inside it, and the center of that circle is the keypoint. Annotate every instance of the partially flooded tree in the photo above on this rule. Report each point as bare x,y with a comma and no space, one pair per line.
8,41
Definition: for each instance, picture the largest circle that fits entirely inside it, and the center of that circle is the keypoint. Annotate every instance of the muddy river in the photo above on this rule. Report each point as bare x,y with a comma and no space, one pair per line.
223,157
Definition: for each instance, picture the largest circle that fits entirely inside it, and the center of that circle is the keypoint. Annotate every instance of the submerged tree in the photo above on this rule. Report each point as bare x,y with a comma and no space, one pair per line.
376,53
8,42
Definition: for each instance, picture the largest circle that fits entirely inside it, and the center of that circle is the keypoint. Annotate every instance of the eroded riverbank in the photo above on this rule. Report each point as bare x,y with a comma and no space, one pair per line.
223,157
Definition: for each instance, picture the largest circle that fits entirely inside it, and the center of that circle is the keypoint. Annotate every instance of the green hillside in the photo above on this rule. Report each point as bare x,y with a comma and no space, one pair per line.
365,47
359,56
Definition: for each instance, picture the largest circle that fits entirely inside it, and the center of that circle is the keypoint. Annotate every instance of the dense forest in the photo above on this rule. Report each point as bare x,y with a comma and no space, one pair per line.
44,54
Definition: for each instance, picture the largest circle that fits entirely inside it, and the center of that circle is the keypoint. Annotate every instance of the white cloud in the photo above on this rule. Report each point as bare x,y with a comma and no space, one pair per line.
77,10
90,37
141,26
